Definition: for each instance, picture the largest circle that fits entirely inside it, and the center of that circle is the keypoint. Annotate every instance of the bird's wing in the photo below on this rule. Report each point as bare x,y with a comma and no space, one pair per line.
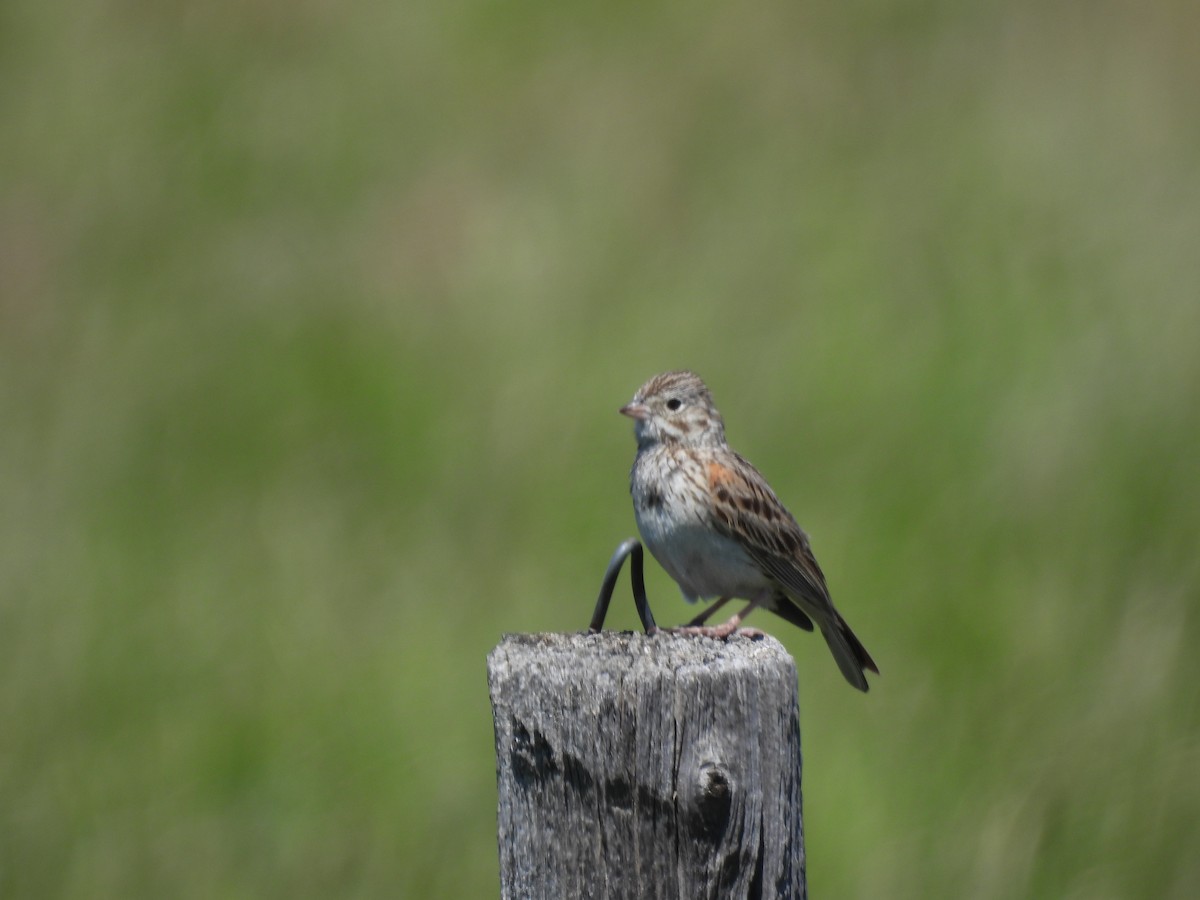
747,510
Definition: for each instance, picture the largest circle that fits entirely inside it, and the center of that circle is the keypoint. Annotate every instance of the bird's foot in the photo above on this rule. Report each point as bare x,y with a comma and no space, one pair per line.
720,632
708,631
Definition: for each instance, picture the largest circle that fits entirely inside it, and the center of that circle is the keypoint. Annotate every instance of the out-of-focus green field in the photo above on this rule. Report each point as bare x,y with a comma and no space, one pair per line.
314,322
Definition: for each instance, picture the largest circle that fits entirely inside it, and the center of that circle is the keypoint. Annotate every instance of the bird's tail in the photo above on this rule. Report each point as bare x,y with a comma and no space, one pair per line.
851,656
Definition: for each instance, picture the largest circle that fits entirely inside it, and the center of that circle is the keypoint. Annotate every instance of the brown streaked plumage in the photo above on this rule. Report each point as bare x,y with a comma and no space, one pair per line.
712,521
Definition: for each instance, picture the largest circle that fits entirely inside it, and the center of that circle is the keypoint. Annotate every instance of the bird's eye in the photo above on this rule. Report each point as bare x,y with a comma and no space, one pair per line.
674,403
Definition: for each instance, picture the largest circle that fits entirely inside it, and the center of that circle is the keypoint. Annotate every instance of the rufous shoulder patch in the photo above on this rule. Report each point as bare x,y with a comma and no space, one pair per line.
719,475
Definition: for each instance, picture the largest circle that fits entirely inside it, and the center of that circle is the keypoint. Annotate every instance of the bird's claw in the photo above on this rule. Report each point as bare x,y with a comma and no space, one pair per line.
721,632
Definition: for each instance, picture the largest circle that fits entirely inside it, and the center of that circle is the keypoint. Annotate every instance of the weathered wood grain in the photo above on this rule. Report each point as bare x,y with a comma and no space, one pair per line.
647,766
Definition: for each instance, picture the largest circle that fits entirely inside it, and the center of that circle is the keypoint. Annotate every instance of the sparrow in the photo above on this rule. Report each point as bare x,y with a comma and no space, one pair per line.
714,524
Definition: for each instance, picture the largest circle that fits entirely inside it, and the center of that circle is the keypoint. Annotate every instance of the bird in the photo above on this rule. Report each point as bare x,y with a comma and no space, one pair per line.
714,524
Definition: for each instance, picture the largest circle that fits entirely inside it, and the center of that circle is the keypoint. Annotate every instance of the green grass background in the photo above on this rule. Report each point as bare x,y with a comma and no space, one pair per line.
314,322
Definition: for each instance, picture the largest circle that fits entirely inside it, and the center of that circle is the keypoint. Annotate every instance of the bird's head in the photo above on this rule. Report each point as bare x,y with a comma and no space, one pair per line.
675,407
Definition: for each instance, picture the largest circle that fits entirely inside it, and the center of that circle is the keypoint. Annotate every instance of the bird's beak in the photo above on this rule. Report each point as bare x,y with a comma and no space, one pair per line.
635,410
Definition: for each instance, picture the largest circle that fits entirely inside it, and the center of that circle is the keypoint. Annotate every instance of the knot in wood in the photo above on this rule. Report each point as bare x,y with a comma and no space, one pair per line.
531,756
712,800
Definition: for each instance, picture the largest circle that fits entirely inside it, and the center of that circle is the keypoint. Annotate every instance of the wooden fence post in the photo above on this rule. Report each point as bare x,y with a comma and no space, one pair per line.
646,766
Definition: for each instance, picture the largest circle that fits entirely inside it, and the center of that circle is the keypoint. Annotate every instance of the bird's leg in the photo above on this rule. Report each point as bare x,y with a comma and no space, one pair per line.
725,629
707,614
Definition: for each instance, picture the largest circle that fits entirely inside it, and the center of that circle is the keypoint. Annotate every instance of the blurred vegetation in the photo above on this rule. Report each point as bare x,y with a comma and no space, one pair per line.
314,321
